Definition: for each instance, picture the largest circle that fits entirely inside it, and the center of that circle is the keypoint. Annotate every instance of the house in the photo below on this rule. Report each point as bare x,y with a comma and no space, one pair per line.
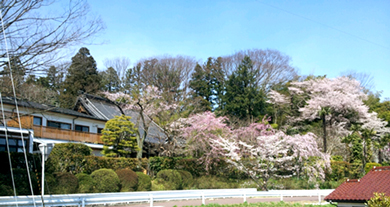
43,123
356,192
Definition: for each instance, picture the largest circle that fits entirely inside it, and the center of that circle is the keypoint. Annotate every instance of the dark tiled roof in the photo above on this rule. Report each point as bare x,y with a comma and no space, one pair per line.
45,107
106,109
375,181
99,107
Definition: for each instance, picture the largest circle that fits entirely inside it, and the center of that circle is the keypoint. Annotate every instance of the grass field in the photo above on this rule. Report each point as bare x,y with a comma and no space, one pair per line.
265,204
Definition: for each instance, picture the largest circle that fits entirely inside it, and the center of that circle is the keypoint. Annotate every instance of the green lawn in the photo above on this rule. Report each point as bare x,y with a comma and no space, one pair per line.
265,204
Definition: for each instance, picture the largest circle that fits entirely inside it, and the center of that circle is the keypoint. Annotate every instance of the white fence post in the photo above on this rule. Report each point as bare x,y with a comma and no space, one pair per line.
319,197
83,202
244,197
203,200
151,200
281,196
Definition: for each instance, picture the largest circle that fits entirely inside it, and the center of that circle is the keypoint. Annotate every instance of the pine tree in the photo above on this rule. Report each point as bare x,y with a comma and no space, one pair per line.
82,76
207,82
110,80
243,99
119,137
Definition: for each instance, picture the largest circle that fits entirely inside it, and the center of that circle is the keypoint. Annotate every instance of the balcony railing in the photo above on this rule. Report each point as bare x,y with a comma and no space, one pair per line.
69,135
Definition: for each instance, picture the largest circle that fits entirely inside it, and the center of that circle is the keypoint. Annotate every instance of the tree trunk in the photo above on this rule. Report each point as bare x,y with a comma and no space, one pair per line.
324,127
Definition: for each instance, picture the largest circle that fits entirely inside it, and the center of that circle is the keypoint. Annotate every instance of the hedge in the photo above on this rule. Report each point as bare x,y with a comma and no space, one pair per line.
105,180
86,184
144,182
128,180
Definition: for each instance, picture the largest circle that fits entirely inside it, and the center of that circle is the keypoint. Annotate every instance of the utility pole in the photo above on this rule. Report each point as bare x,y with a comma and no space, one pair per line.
45,149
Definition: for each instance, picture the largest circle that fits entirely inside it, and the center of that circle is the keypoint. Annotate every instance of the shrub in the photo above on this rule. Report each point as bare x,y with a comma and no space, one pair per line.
105,180
379,200
340,170
65,183
213,182
369,166
144,182
186,177
128,180
92,163
67,157
85,183
171,179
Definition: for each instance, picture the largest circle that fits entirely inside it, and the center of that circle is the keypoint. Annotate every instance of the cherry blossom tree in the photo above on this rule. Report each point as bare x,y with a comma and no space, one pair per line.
338,103
149,104
258,149
274,155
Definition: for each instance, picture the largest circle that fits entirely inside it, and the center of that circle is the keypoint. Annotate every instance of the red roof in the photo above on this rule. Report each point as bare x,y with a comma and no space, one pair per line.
375,181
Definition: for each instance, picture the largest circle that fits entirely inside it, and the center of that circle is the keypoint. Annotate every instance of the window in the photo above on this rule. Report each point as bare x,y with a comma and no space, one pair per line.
15,145
81,128
37,121
59,125
100,130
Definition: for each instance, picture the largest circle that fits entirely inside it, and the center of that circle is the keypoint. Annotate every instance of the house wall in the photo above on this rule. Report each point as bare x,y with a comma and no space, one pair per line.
340,204
52,116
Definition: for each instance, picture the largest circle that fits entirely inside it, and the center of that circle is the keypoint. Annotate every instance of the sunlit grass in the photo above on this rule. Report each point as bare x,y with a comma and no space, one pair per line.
264,204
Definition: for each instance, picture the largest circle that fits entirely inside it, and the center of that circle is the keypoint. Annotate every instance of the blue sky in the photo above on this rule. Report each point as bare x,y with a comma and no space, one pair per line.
321,37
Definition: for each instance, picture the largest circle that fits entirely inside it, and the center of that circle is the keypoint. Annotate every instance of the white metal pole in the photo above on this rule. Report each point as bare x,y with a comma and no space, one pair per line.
43,170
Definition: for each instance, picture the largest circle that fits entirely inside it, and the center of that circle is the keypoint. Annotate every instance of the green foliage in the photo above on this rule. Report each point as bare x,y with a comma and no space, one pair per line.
168,180
105,180
128,180
110,80
290,183
340,171
65,183
85,183
82,76
144,182
369,166
207,83
186,177
213,182
379,200
67,157
92,163
243,98
120,134
265,204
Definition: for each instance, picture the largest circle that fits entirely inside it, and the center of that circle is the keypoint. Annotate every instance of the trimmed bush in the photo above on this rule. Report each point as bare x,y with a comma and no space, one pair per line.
144,182
92,163
65,183
369,166
170,179
105,180
67,157
213,182
128,180
186,178
85,183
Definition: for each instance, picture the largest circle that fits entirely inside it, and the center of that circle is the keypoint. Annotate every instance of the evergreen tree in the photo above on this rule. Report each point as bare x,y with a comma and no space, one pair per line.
243,99
119,137
82,76
110,80
54,78
207,82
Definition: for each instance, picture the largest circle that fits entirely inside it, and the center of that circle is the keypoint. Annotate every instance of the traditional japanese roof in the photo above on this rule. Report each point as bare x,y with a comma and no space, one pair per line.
46,107
106,109
375,181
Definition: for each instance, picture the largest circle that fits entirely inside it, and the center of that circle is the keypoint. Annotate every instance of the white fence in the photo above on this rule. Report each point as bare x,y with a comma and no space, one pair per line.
151,196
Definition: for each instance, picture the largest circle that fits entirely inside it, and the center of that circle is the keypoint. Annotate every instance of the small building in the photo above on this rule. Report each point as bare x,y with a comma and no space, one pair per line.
356,192
42,123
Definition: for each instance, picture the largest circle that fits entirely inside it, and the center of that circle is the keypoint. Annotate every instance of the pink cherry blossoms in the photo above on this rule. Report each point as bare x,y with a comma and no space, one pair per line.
257,150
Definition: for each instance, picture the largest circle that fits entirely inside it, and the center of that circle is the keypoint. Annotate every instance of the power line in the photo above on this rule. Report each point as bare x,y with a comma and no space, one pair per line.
325,25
